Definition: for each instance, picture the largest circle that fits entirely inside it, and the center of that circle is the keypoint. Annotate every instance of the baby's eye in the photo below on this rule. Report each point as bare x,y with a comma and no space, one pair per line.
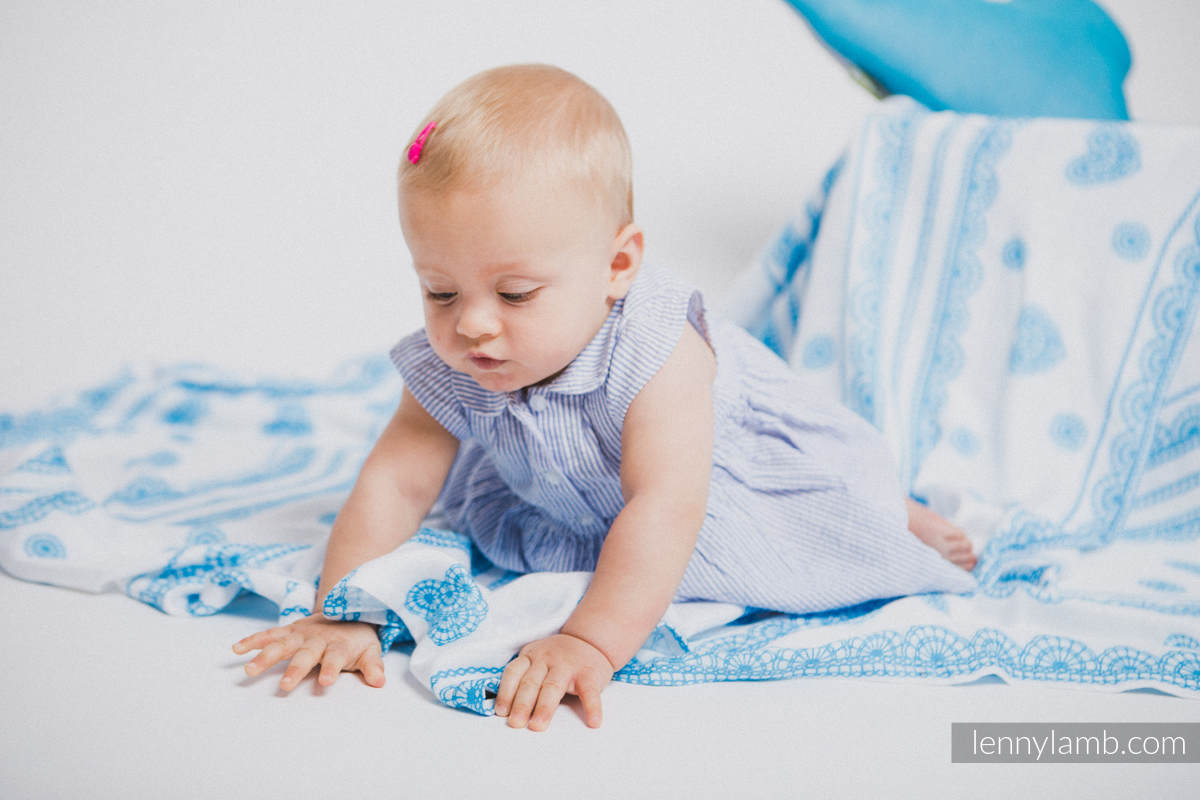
441,297
518,297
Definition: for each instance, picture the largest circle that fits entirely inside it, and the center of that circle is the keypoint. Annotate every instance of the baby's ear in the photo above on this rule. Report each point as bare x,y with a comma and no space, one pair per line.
627,258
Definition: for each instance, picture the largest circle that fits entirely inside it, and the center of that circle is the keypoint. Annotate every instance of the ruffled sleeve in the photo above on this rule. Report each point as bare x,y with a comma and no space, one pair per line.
431,381
656,308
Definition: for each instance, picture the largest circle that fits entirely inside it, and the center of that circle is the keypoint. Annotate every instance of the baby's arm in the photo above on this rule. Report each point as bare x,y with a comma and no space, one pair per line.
666,465
398,484
396,487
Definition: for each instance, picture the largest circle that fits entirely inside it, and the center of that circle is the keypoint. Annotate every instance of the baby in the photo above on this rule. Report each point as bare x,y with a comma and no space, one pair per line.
571,409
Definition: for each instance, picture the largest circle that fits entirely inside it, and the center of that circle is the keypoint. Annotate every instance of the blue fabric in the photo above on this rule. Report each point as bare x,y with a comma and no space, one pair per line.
804,509
1053,58
1014,303
116,490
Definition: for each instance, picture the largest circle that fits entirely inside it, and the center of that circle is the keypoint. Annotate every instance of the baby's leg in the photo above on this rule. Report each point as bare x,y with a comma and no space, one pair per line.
936,531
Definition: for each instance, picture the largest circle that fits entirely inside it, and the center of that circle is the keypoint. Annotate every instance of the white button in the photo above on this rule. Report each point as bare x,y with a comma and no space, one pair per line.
552,476
538,403
587,520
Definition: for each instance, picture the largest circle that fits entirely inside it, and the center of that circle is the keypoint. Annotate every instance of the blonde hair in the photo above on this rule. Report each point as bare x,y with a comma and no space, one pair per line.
524,119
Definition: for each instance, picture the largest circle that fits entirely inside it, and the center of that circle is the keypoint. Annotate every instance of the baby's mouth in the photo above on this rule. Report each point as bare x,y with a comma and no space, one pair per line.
485,363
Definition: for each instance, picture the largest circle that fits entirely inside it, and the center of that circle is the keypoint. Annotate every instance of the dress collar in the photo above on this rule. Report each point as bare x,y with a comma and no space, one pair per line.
586,373
588,370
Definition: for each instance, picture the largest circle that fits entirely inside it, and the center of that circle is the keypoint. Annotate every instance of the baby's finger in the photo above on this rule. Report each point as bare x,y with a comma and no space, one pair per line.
527,692
302,663
272,654
256,641
508,683
333,662
589,695
370,664
553,689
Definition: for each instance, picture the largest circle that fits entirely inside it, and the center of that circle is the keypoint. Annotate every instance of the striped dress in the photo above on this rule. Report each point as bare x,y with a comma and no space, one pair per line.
804,511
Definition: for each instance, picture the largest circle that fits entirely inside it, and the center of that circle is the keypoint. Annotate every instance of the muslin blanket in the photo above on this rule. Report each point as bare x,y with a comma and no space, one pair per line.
1013,302
1010,301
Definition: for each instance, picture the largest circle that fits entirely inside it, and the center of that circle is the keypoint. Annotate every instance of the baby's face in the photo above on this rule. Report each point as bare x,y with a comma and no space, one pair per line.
517,279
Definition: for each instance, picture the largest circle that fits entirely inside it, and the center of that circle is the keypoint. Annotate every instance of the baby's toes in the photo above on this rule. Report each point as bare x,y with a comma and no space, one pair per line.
952,540
959,540
955,532
958,553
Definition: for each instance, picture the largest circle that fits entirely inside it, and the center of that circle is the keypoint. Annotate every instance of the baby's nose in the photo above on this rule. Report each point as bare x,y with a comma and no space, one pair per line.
478,320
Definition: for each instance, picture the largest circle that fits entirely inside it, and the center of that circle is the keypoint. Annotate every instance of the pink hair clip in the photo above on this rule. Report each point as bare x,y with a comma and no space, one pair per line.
414,150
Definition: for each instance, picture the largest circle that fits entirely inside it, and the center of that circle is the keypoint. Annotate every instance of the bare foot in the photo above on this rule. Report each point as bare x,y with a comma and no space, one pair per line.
939,533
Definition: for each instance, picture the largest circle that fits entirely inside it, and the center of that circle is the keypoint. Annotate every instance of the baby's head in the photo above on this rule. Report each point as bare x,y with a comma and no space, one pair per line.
517,208
531,120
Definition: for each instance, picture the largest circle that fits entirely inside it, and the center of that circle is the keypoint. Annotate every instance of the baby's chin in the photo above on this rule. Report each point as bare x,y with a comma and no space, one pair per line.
497,381
502,381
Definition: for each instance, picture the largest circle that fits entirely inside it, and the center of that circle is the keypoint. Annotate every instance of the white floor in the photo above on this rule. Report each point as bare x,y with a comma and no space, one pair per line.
107,698
213,181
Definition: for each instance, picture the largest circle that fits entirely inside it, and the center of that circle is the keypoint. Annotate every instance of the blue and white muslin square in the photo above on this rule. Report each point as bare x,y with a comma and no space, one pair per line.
1011,301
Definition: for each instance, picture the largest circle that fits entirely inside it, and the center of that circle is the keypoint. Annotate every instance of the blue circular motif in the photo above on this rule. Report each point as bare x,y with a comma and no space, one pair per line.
1182,640
202,535
443,538
44,545
1181,667
1111,155
1131,240
1125,663
1068,431
453,607
818,353
1056,656
1187,264
964,441
1013,254
145,490
934,650
1038,345
991,647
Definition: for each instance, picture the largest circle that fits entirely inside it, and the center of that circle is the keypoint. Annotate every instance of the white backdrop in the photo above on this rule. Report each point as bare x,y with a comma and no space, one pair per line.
214,180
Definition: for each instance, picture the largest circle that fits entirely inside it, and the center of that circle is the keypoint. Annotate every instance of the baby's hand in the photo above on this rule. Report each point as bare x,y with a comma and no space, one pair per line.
336,646
544,671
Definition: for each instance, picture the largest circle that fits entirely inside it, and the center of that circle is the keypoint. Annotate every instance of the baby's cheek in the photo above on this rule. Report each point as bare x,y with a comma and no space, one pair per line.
439,340
563,336
436,339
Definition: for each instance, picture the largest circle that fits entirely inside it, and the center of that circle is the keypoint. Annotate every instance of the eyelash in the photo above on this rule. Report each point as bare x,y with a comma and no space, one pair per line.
516,298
